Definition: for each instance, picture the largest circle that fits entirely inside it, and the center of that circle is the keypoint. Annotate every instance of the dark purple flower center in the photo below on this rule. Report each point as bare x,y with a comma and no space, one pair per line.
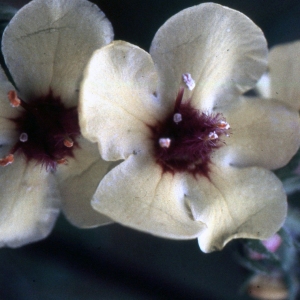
186,139
47,130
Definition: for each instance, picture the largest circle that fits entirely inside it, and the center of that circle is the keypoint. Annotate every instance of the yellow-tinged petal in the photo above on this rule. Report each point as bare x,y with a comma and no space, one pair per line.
78,181
222,49
263,88
138,195
284,72
117,101
236,203
29,203
48,43
264,133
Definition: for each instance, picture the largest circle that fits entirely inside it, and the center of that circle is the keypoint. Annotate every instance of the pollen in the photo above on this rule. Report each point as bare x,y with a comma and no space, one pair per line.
68,142
13,99
23,137
7,160
177,118
62,161
212,136
189,81
223,125
164,142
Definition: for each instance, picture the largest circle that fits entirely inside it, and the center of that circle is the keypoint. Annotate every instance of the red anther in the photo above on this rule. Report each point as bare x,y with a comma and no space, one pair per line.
68,142
62,161
13,99
9,159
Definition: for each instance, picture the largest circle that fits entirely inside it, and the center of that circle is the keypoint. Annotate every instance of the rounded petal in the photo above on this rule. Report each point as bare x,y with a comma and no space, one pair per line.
78,181
48,43
284,72
236,203
117,101
265,133
7,112
29,203
222,49
138,195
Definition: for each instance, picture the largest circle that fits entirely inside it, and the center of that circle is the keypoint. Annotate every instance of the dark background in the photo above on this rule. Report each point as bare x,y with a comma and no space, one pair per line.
114,262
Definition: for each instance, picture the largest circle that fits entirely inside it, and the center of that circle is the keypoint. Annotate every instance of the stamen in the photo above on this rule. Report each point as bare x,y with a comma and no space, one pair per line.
164,142
223,125
9,159
62,161
189,81
23,137
177,118
212,136
13,99
68,142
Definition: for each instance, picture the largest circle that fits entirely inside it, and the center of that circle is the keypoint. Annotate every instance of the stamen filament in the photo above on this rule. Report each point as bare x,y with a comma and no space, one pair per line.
15,101
178,100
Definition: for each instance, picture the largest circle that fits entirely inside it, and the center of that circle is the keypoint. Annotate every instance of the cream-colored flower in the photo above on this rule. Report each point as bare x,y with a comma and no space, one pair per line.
196,155
282,80
46,163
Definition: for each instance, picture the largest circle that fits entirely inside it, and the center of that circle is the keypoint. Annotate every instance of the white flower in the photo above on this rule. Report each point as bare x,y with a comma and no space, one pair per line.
196,160
46,163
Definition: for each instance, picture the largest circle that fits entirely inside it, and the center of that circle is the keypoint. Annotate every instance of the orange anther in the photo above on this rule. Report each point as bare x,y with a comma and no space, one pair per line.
62,161
223,125
9,159
68,142
13,99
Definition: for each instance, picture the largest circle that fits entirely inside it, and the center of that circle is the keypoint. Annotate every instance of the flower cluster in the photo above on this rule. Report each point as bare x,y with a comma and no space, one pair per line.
194,155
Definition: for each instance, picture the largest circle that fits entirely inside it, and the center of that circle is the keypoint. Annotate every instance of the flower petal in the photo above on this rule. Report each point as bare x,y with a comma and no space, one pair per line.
78,181
223,50
138,195
117,101
7,112
48,43
236,203
284,68
265,133
29,203
263,88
